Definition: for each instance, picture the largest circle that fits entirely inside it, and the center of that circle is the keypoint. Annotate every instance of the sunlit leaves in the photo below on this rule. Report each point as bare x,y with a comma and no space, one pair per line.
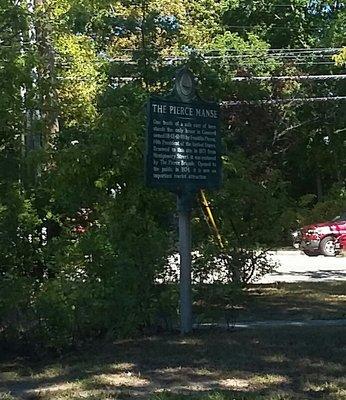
80,79
340,58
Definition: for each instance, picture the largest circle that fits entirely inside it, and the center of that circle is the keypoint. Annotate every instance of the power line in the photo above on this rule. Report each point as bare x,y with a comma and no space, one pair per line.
282,101
259,78
315,63
267,52
272,56
299,56
269,28
303,49
233,53
120,79
289,77
247,63
172,60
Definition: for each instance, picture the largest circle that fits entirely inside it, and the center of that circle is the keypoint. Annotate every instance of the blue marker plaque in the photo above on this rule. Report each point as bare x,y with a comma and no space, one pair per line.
183,145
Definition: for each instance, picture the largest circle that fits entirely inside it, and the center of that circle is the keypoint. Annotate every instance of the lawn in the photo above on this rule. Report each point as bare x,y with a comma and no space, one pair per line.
264,364
304,300
281,301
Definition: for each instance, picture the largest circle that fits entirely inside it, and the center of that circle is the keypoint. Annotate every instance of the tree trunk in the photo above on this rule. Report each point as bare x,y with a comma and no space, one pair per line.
319,187
46,75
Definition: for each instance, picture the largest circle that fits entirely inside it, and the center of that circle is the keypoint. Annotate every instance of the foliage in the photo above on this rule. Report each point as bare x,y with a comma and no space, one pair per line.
237,266
340,58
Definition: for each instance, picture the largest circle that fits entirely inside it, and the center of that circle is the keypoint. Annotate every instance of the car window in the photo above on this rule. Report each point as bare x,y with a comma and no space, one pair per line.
341,217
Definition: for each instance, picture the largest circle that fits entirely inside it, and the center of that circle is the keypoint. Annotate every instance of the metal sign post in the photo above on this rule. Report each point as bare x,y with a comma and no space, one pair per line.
184,206
183,156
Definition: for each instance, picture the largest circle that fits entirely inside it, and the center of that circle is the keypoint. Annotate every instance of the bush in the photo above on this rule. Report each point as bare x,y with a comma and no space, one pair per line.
94,284
238,266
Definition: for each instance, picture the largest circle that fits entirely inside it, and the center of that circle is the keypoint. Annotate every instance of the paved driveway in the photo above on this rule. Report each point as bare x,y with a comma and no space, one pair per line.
295,267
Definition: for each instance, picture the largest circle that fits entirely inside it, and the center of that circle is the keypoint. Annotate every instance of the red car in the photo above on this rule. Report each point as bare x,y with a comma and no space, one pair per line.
340,244
320,238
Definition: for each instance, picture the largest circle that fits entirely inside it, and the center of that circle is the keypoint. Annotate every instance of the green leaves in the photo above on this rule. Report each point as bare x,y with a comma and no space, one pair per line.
340,58
80,80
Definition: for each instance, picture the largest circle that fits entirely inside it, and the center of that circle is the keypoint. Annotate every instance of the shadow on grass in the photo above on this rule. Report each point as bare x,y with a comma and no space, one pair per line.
306,300
324,274
280,301
295,363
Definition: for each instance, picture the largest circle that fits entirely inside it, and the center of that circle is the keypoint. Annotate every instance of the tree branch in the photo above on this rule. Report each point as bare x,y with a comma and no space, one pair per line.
278,136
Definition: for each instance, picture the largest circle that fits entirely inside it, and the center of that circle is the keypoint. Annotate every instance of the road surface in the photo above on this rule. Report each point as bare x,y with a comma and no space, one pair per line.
295,267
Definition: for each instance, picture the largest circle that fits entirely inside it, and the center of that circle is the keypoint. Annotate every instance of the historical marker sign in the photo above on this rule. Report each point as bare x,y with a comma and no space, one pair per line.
183,155
183,145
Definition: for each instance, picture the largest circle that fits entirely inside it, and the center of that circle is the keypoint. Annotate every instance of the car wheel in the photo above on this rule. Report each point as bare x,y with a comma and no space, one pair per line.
327,246
310,254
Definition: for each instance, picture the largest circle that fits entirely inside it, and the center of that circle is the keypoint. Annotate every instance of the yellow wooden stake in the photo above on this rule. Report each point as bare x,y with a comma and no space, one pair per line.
210,217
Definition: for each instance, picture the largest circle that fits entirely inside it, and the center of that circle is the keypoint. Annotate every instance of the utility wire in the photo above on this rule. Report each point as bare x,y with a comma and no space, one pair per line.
274,55
289,77
172,60
300,56
226,104
235,79
304,49
283,49
269,28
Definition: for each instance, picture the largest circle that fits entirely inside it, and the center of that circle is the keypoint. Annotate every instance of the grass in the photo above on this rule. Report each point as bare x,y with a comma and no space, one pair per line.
263,364
268,364
283,301
308,300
